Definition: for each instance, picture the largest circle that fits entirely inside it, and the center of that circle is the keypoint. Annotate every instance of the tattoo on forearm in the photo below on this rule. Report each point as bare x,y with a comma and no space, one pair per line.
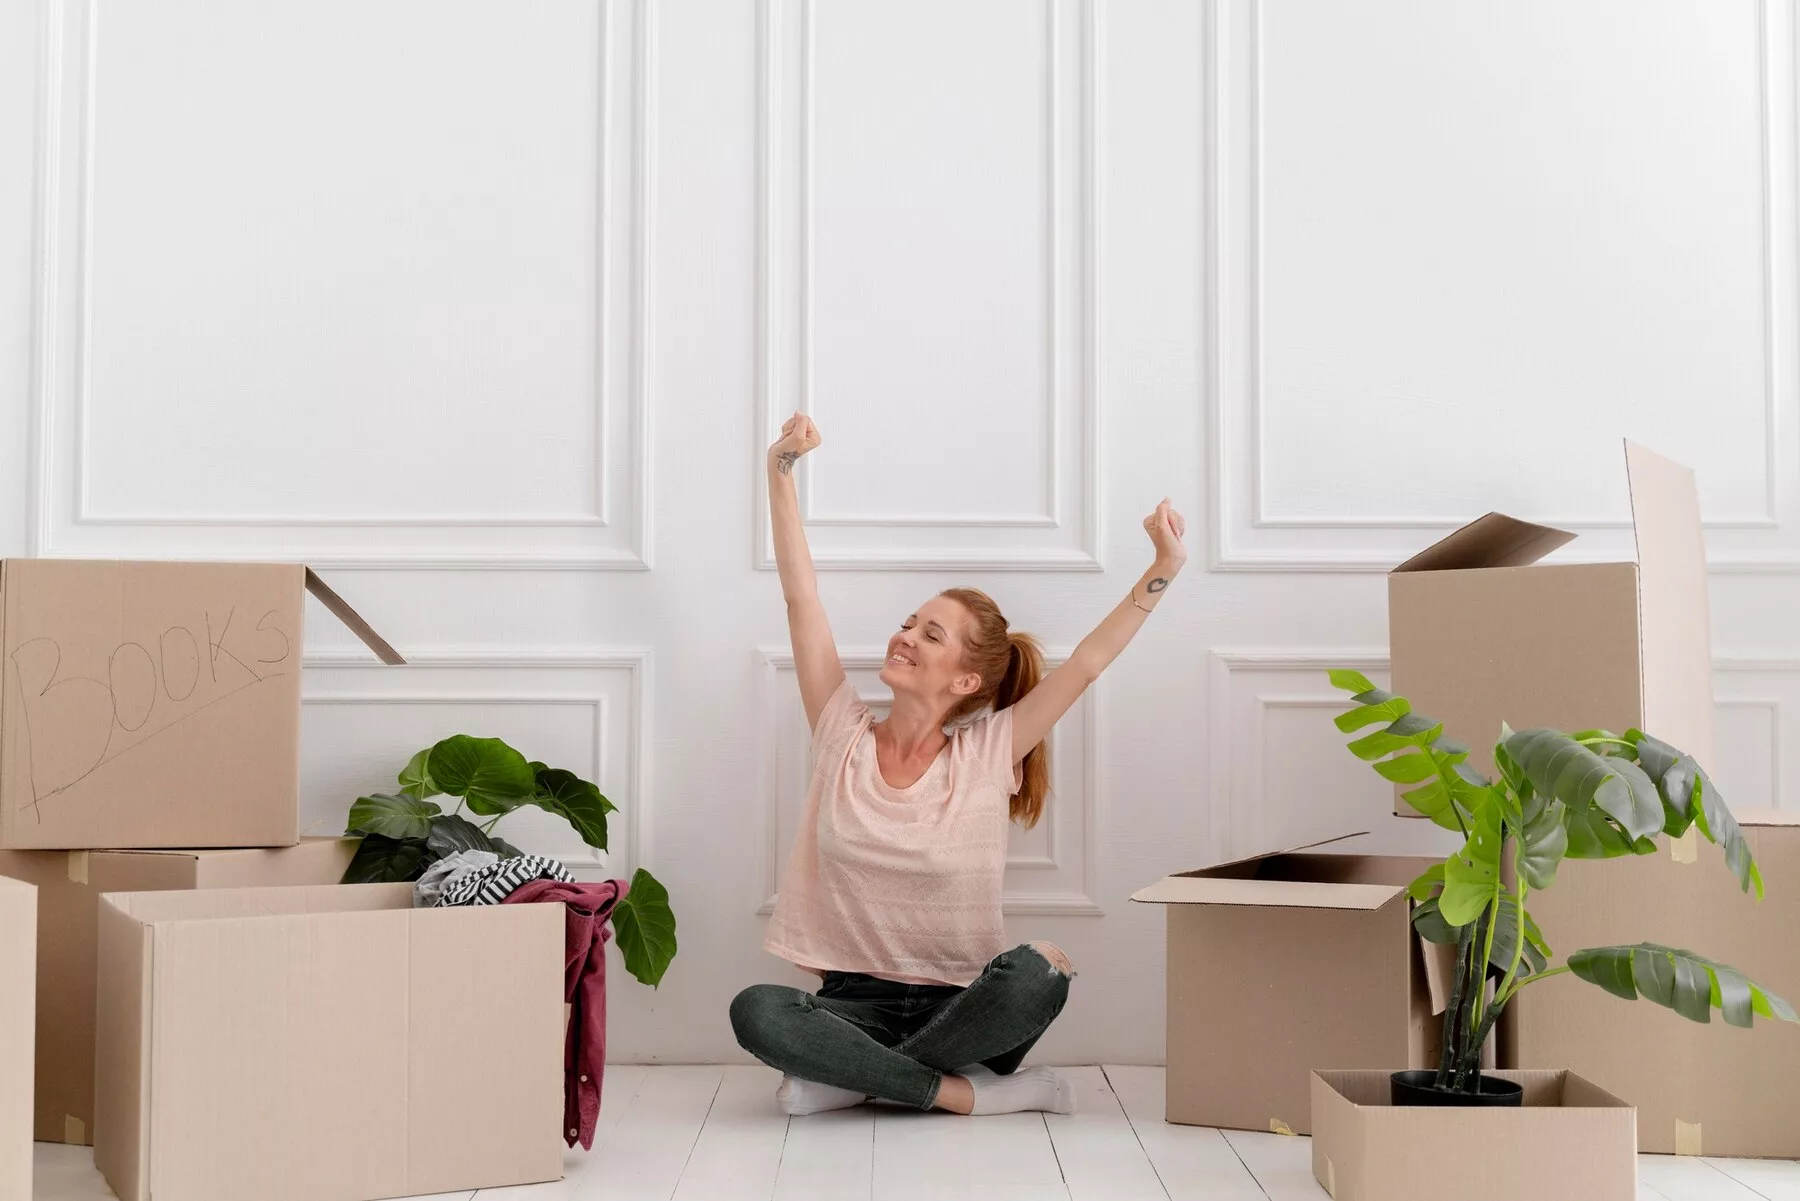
1156,585
784,462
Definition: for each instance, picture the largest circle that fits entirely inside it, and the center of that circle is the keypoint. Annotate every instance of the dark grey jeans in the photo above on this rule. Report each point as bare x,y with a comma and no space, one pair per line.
896,1041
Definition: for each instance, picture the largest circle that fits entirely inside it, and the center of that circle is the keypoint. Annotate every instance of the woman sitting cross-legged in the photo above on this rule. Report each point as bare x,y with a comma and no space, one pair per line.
892,890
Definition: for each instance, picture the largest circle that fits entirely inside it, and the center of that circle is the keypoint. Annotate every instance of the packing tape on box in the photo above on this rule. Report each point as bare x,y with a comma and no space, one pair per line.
1277,1126
74,1130
1686,849
78,867
1687,1138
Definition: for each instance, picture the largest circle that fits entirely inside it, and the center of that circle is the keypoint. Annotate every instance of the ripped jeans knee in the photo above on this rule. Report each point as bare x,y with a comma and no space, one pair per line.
1055,956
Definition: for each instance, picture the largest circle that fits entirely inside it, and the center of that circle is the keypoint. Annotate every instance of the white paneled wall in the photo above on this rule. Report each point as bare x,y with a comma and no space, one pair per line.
490,310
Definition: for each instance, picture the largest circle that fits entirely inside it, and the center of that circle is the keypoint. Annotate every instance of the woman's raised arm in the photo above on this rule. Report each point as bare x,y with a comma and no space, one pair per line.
815,654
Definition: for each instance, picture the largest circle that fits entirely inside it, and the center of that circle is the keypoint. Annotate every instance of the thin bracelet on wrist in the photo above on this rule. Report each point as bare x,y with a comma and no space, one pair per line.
1134,600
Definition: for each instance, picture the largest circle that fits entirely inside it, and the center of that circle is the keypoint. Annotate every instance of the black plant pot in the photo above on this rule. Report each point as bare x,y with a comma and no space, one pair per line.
1418,1087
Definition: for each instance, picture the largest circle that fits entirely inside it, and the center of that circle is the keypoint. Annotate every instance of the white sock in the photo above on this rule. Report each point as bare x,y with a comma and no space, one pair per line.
800,1097
1037,1088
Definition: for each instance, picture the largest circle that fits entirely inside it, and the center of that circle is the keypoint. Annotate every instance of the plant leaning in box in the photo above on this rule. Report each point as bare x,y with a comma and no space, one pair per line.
405,832
1589,795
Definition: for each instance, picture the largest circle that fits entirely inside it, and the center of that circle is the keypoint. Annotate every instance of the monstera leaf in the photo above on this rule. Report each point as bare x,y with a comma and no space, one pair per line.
1689,798
1582,779
1448,789
1689,984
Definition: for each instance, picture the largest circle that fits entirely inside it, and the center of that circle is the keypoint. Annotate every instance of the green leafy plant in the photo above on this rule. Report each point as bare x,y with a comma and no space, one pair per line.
1587,795
405,832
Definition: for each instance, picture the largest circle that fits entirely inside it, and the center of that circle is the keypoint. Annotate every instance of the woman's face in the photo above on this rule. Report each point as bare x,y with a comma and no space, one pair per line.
925,655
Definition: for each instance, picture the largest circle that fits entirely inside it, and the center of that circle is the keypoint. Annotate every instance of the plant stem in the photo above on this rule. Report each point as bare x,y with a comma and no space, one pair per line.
1453,1012
458,809
1522,981
489,827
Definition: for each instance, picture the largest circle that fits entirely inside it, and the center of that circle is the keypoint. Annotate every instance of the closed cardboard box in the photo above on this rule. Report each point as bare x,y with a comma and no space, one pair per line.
1284,963
153,704
326,1044
1699,1089
18,937
1480,633
1569,1141
69,885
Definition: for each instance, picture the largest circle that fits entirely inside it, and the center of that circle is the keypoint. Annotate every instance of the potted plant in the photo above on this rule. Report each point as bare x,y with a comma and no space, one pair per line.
405,832
1587,795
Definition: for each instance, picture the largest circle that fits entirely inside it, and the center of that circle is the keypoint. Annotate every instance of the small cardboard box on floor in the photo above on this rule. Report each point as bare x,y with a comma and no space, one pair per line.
1480,633
69,885
18,937
1700,1089
1282,963
153,704
1569,1141
298,1044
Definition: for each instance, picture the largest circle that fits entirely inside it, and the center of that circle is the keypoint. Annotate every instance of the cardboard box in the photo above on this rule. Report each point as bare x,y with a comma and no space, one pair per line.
1480,634
1281,963
1699,1089
18,938
69,885
153,704
1569,1141
326,1044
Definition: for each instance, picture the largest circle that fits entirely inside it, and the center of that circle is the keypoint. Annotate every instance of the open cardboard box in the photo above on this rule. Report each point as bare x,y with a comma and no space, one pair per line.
1481,633
154,704
1708,1088
1280,963
326,1044
1569,1141
18,960
69,885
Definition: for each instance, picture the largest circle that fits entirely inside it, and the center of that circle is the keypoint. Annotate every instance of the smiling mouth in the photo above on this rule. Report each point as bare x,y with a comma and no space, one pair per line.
901,660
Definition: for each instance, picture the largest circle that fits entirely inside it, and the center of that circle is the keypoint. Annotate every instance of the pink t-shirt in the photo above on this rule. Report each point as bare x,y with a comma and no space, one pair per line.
901,883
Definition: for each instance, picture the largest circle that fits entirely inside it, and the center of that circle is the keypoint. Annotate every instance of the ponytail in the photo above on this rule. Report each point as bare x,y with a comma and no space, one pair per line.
1024,668
1010,663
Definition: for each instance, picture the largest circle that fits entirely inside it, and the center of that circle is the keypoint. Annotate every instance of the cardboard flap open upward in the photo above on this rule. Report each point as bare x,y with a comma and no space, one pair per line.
1267,894
350,617
1492,540
1440,971
1673,622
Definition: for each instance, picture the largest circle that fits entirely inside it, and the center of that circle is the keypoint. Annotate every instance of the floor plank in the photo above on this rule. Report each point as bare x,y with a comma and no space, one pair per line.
618,1092
828,1156
1688,1178
1194,1163
64,1173
1281,1163
1775,1179
646,1152
739,1151
952,1157
1099,1153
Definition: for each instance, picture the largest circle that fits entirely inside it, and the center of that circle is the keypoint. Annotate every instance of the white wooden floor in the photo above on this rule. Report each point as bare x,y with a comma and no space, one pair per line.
715,1134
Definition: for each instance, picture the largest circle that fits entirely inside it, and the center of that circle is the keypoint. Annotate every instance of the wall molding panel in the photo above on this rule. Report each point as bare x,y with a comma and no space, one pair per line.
611,531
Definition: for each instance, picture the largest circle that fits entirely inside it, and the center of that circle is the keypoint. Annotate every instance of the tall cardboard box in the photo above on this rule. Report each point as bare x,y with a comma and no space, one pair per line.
1568,1141
1284,963
153,704
326,1044
1480,632
1699,1089
18,934
69,885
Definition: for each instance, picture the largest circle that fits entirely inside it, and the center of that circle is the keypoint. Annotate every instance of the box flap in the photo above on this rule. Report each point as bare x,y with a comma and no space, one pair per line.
1492,540
1766,817
1673,623
1268,894
1222,864
1439,959
353,619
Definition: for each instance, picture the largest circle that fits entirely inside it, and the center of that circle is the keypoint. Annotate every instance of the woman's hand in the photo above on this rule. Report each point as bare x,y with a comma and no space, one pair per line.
1165,527
798,436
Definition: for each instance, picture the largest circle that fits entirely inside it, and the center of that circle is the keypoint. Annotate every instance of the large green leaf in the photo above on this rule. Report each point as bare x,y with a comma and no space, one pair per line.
383,860
1560,767
1542,838
1533,956
1472,874
576,801
1428,884
1691,985
1688,798
491,776
646,928
1430,923
1372,707
451,834
503,848
399,816
1350,681
415,779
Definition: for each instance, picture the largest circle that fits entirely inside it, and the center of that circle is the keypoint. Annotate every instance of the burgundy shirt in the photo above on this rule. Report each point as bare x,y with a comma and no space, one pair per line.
587,908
